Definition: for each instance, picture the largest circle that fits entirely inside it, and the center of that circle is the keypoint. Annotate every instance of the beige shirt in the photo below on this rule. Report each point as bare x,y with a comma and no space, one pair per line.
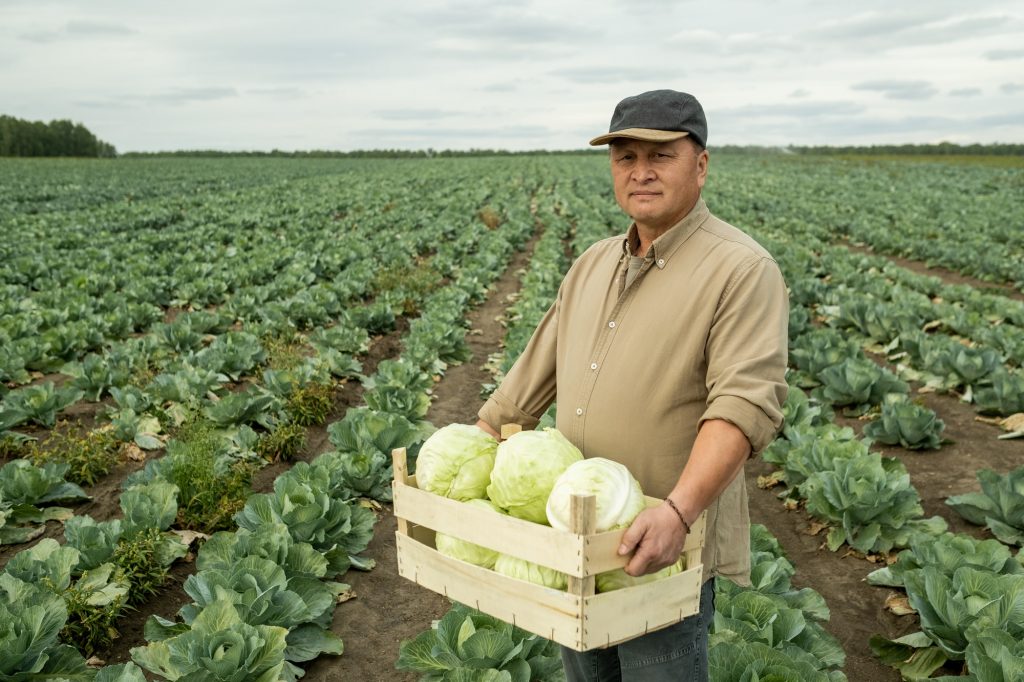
699,333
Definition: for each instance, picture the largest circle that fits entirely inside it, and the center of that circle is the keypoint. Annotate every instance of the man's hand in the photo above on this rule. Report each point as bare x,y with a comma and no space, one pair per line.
657,536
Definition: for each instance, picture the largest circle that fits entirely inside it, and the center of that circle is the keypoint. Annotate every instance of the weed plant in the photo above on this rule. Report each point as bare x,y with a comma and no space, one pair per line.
310,404
90,628
90,456
212,488
139,559
283,444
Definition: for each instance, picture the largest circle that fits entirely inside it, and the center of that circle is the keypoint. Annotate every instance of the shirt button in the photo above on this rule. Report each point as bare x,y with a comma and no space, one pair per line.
661,262
593,365
612,324
579,411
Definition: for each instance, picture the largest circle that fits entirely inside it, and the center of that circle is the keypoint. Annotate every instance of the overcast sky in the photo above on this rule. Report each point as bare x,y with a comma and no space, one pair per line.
513,74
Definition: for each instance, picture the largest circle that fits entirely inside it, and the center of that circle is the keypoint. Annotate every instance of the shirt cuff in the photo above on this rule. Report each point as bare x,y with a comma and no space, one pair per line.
744,415
499,410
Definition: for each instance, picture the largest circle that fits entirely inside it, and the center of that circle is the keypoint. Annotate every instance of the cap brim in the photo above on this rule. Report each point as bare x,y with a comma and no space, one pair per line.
647,134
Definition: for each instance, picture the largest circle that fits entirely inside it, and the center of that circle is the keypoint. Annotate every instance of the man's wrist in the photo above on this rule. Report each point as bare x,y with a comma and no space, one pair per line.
682,519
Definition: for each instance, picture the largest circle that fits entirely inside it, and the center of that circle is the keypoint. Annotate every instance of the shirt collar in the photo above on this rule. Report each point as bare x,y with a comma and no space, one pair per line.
664,246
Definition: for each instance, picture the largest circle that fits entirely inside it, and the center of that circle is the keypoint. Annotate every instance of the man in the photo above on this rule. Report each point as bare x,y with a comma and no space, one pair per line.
666,349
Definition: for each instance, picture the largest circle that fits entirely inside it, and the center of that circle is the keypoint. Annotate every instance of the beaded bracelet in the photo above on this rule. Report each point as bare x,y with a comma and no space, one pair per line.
686,526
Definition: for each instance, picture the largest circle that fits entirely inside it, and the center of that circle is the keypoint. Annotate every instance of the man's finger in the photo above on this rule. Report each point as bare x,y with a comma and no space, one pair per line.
633,535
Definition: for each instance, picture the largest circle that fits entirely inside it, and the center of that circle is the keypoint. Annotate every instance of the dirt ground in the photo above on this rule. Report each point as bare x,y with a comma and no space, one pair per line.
388,609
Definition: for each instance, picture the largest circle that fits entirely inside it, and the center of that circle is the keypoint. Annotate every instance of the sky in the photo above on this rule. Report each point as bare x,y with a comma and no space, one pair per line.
511,74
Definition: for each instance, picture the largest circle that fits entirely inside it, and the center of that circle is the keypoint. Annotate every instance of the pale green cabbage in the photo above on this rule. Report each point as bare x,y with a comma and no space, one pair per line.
456,462
525,471
618,579
618,495
467,551
521,569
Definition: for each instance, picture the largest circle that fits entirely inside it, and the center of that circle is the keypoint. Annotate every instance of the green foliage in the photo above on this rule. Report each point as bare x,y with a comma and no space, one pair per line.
908,424
364,439
468,645
145,559
59,137
89,456
947,552
954,610
211,488
283,444
31,618
871,500
22,482
858,384
310,404
732,658
219,647
410,283
40,404
301,501
263,594
1000,505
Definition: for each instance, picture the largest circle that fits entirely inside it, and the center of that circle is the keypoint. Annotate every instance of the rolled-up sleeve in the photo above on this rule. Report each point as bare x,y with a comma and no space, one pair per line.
746,353
528,389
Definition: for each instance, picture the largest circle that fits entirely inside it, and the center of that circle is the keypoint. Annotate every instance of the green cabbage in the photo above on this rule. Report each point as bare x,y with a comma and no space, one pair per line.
525,471
467,551
514,567
456,462
618,495
618,579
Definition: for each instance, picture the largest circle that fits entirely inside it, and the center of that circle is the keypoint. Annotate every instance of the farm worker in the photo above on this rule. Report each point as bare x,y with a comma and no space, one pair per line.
666,350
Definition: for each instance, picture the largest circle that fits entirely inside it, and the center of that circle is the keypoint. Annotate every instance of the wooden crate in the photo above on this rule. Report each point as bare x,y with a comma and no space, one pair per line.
577,618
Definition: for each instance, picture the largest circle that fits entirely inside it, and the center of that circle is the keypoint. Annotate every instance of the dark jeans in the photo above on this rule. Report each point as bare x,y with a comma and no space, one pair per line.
678,653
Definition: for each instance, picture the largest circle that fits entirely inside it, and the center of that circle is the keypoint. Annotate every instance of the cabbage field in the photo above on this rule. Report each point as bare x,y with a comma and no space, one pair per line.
205,364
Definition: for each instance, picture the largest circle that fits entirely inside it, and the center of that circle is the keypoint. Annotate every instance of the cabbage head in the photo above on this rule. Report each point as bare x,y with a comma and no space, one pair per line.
618,495
618,579
525,471
521,569
456,462
467,551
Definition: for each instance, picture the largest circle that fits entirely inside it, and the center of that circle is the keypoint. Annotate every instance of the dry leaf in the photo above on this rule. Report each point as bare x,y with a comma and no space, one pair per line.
791,504
134,452
934,324
766,482
815,528
1015,422
346,594
370,504
190,536
95,662
899,604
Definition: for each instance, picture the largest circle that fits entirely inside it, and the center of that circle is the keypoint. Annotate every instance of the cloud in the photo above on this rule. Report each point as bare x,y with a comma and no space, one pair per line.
500,87
615,74
1001,55
899,89
965,92
800,92
277,92
78,29
1011,88
799,110
414,114
185,95
888,30
99,29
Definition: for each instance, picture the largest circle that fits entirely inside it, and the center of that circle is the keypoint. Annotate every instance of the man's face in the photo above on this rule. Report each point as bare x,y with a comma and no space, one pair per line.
657,183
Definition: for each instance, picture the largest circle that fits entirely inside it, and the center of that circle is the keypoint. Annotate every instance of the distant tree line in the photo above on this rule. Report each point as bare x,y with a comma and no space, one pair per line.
19,137
941,148
358,154
947,148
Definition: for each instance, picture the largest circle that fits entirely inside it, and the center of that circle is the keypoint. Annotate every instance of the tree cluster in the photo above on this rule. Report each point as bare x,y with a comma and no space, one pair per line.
19,137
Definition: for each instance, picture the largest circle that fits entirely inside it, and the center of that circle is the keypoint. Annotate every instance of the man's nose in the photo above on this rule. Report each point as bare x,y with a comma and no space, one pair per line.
643,171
